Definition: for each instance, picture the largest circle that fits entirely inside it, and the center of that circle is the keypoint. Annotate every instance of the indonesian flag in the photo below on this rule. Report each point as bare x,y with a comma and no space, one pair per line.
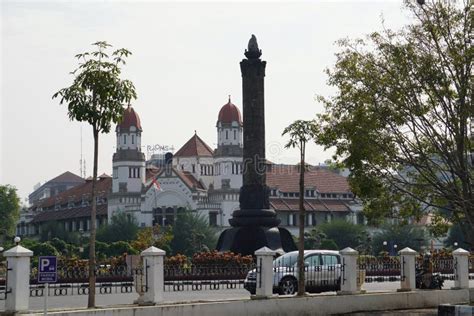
157,185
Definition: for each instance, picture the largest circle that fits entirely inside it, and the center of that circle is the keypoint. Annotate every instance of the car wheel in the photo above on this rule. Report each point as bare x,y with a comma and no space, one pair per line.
288,286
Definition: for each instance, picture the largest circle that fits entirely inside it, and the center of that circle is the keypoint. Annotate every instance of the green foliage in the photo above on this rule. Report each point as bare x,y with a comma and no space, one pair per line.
455,234
98,94
119,248
153,236
9,210
401,235
121,227
400,117
192,234
313,239
344,233
329,244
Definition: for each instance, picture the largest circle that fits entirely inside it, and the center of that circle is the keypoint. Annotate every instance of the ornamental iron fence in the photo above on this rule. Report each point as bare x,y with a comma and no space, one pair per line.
109,280
196,277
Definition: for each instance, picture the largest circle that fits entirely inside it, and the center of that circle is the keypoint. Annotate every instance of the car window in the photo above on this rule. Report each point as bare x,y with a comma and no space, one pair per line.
329,260
312,260
287,260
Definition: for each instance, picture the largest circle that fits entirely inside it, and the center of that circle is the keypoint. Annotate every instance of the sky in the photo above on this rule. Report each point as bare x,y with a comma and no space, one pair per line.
184,65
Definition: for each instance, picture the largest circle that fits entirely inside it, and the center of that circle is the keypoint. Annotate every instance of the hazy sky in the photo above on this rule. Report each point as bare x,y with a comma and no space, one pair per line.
185,63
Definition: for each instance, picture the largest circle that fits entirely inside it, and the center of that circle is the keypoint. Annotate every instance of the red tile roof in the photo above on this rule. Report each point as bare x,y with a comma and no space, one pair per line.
130,118
70,213
195,147
229,113
292,205
67,177
75,194
185,176
286,179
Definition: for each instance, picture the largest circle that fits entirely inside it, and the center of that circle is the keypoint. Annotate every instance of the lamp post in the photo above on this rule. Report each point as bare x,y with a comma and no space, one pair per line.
385,246
16,240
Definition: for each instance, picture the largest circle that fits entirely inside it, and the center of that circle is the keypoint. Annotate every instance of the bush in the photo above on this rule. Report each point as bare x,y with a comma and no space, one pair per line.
119,248
192,234
329,244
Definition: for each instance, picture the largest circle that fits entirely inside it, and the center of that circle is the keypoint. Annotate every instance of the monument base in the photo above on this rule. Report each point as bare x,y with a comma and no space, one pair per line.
246,239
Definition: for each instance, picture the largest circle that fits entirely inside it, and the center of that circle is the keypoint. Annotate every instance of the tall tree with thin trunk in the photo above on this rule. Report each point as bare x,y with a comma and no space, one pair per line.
97,96
301,132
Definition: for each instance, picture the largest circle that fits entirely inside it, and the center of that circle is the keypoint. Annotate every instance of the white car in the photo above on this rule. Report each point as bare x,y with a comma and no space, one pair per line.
322,272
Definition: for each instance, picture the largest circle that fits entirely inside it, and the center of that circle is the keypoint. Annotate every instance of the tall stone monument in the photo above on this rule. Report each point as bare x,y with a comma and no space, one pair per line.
255,225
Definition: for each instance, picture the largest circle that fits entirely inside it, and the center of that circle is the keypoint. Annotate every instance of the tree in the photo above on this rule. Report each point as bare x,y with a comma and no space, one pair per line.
403,236
121,227
314,238
301,132
97,96
192,234
400,118
54,229
455,235
9,210
344,233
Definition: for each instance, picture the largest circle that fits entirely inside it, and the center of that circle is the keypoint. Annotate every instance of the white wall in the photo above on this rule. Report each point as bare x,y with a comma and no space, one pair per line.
283,306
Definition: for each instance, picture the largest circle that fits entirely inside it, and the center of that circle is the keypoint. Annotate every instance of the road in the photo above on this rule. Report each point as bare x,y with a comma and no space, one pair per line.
78,301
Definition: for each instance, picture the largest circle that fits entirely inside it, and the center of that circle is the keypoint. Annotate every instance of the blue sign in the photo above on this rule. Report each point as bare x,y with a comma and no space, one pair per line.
47,272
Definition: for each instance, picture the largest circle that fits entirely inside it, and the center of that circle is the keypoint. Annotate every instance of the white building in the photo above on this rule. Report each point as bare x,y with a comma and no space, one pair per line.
196,178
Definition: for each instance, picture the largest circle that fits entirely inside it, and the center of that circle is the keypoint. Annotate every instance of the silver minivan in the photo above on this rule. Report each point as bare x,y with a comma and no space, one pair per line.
322,272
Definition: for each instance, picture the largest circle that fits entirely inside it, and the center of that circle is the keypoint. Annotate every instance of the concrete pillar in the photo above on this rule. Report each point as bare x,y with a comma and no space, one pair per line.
264,280
349,273
18,260
407,269
153,263
461,268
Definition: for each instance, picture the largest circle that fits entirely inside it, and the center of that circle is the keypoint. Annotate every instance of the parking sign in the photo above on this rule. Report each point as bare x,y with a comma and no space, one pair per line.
47,269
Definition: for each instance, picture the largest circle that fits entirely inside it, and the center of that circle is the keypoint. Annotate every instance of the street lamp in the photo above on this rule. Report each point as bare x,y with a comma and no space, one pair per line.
16,240
395,247
1,249
455,244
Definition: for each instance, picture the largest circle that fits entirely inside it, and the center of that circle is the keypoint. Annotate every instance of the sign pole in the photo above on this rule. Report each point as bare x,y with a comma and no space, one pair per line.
46,292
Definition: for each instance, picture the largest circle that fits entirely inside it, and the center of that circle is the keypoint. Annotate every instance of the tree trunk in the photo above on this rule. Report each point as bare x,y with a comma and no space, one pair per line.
91,297
301,276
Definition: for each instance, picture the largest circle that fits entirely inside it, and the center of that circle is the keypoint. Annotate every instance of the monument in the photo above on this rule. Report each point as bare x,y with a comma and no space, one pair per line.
255,224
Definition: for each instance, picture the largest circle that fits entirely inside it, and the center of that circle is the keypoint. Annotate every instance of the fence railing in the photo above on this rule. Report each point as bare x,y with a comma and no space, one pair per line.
75,281
205,277
3,280
379,269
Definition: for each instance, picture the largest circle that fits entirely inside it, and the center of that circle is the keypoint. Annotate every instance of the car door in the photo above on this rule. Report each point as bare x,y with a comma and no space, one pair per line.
312,270
331,270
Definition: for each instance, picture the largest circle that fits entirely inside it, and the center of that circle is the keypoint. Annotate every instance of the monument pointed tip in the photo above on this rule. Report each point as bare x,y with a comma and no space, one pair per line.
252,48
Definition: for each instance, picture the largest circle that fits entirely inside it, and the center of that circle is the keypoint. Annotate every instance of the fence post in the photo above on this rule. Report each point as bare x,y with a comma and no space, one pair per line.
461,268
18,279
264,282
349,271
407,269
153,264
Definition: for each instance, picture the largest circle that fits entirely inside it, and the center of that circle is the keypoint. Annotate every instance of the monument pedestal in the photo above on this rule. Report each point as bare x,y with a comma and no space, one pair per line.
246,239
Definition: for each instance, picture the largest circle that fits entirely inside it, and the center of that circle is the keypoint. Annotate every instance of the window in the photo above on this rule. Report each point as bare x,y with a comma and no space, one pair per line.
235,135
313,260
292,219
329,260
226,134
213,219
115,173
124,139
194,168
134,172
133,139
